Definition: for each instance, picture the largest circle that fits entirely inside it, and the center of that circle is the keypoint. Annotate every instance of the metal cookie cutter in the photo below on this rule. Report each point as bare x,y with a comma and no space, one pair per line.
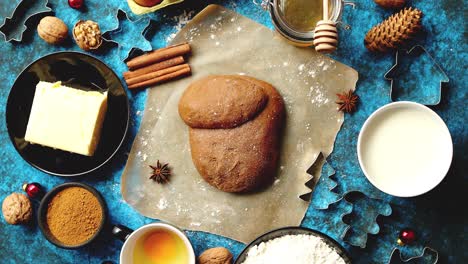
382,208
422,95
14,26
137,33
307,197
326,187
396,258
359,203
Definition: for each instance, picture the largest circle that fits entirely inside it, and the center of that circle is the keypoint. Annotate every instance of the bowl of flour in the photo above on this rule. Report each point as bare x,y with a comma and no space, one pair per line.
296,245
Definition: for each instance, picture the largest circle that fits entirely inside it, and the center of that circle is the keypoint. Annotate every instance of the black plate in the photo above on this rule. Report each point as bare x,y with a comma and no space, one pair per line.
294,230
80,71
42,213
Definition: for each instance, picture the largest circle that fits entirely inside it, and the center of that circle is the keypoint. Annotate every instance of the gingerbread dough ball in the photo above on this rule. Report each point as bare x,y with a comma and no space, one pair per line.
235,125
17,209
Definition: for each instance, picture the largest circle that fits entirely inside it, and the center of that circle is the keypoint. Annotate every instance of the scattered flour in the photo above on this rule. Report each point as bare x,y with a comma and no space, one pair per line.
316,96
181,21
276,181
162,204
297,249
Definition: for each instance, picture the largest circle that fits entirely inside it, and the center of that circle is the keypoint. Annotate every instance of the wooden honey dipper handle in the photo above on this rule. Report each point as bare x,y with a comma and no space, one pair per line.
325,33
325,10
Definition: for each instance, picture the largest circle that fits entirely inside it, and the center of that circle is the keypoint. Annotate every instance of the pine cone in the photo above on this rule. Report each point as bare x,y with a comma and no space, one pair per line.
395,31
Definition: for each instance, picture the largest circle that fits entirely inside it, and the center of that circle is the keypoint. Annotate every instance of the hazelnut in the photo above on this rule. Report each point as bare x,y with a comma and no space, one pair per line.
87,35
17,209
52,30
218,255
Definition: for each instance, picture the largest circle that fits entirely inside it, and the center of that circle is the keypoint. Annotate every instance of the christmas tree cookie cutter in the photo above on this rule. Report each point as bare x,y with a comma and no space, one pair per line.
416,76
356,232
327,195
14,26
396,258
137,38
366,209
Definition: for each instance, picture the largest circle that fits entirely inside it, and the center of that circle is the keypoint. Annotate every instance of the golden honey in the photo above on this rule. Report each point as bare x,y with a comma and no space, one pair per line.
295,20
302,15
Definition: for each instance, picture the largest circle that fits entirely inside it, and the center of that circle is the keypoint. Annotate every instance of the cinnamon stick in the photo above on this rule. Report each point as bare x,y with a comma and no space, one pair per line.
154,67
158,55
163,78
155,74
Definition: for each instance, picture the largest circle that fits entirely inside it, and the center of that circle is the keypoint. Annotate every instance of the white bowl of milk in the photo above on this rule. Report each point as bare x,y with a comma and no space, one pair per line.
405,149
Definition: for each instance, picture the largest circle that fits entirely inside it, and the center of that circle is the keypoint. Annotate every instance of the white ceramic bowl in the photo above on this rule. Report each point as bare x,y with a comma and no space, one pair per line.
405,149
126,254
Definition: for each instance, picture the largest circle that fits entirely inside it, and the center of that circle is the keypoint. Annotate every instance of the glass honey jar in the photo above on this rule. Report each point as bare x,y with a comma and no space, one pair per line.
295,20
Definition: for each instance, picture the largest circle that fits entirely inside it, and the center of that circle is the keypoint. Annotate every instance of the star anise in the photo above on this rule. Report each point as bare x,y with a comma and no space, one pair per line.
347,101
161,173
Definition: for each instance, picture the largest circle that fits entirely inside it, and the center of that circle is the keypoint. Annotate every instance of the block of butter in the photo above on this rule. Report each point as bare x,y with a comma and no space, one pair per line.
66,118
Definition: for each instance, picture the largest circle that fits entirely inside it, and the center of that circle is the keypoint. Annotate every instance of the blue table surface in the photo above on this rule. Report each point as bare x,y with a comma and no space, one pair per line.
439,217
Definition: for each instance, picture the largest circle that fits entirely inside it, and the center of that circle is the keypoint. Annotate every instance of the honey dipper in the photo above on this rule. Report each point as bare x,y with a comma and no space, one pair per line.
325,33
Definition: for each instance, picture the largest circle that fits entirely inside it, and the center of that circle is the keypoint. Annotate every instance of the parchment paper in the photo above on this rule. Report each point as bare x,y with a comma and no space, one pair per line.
225,42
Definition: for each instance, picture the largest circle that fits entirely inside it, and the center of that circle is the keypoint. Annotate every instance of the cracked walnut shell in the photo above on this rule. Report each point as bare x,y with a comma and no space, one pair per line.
87,35
17,209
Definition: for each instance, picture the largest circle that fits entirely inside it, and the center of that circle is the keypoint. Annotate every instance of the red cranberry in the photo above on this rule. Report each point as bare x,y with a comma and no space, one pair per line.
76,4
34,189
407,236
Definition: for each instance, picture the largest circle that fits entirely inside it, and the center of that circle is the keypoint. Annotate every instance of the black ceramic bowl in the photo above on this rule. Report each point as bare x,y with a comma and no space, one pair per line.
80,71
42,213
293,230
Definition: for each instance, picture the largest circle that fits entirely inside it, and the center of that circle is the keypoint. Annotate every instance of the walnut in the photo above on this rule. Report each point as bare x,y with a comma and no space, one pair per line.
391,4
17,209
52,30
87,35
218,255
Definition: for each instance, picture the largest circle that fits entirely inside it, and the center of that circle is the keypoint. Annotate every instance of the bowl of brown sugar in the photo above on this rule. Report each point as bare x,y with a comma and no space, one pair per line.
72,215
